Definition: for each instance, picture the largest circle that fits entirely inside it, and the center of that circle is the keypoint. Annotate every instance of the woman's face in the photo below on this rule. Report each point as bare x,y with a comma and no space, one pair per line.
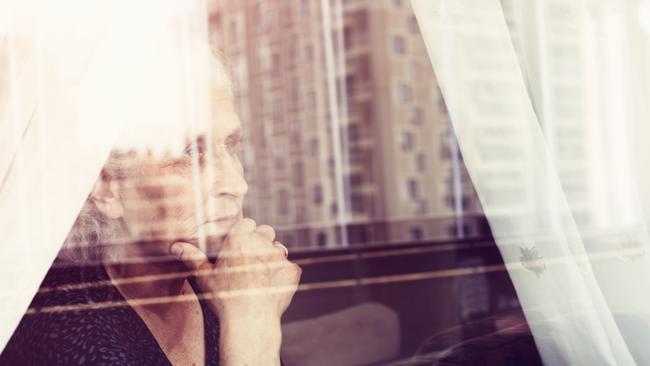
190,195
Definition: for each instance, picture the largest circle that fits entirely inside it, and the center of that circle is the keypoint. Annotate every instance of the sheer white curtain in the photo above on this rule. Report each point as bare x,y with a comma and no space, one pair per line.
548,102
77,77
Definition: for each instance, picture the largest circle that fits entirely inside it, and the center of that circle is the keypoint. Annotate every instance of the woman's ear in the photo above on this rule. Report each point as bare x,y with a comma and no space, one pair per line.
106,197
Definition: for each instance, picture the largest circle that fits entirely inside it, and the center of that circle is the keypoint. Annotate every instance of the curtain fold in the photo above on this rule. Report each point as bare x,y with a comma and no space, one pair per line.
77,78
546,100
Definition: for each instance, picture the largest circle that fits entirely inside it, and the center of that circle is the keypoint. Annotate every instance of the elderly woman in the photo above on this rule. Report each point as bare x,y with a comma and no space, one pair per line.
153,297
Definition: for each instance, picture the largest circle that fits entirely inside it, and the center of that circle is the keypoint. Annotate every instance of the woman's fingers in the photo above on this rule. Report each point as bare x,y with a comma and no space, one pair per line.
281,248
266,231
245,225
193,258
246,239
251,276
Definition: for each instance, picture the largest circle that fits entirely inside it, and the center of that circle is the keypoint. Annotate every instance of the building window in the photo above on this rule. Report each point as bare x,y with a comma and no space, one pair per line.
277,112
445,149
408,141
264,57
309,53
364,68
283,202
292,50
348,38
313,147
415,233
301,215
275,63
287,239
331,166
304,7
413,188
443,106
412,25
367,114
353,108
296,133
361,20
421,208
318,194
262,135
354,133
258,14
358,155
310,101
421,162
351,85
280,156
458,231
418,116
269,15
321,239
356,180
399,45
416,71
294,90
450,201
298,175
466,202
334,208
358,203
404,93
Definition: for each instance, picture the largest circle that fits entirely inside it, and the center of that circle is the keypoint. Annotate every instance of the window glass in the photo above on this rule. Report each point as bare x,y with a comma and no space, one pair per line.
324,120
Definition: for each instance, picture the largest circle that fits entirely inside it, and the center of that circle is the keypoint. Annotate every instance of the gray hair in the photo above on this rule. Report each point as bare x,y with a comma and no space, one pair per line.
92,232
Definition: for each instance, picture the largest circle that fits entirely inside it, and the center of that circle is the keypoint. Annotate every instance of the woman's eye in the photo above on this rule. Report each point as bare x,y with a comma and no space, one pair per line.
194,153
234,148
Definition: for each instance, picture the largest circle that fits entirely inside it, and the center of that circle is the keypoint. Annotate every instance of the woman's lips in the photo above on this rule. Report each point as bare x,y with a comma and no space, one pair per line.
228,220
212,230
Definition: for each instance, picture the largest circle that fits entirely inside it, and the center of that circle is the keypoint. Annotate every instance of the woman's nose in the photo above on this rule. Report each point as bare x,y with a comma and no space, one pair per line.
228,177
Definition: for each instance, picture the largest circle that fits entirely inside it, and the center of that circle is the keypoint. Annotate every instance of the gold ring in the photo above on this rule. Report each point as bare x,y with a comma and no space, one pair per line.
278,244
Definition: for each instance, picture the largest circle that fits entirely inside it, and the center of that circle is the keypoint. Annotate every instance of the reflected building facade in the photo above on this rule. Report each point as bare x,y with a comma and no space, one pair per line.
348,138
553,56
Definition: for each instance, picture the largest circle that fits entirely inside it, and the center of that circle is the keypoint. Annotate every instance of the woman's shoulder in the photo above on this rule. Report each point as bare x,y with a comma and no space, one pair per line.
63,337
76,318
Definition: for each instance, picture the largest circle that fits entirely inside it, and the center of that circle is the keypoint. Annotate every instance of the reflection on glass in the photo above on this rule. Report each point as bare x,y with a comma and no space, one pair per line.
387,115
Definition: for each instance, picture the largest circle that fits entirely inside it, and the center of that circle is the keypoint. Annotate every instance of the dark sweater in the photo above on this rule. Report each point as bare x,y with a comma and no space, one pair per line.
111,335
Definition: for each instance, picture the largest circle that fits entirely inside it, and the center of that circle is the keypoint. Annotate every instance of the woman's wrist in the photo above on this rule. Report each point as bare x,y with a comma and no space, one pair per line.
250,340
257,323
240,313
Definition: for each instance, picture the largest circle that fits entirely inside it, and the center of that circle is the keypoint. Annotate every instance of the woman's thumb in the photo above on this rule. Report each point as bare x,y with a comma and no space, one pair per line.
193,258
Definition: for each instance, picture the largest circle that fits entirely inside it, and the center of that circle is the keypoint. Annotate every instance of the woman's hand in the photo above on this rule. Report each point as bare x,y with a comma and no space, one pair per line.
249,287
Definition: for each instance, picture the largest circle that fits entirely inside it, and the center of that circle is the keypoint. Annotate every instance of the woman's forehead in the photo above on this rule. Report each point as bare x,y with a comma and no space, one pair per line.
181,115
224,118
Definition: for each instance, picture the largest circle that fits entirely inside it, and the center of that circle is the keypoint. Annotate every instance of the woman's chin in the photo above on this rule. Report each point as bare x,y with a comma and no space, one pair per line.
216,229
208,241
